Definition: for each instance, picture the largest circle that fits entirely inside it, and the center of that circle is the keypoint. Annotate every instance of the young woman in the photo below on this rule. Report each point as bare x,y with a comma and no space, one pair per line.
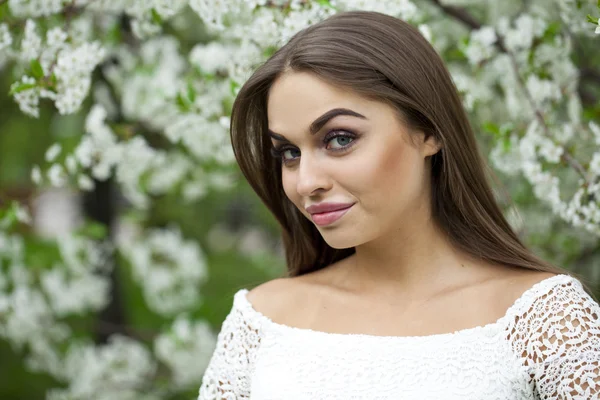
404,279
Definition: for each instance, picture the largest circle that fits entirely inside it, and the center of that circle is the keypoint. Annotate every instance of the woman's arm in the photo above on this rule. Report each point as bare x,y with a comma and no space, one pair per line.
559,339
229,372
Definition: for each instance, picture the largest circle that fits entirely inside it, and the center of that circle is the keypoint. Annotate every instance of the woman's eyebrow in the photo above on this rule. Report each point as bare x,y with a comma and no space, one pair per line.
318,123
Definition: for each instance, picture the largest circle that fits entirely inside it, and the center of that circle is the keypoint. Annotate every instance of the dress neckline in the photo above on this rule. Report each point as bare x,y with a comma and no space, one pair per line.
522,303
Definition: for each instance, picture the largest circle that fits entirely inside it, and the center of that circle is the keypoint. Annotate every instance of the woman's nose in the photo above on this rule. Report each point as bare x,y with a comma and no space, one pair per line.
312,177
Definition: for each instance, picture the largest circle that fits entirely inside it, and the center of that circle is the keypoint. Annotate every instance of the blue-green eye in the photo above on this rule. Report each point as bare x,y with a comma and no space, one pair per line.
339,142
335,141
285,153
290,154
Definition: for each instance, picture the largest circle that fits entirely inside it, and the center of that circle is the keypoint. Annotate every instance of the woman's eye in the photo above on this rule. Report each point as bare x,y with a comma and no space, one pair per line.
290,154
339,142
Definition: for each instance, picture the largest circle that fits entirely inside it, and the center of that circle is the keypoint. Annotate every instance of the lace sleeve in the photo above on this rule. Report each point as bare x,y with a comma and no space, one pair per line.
229,372
558,339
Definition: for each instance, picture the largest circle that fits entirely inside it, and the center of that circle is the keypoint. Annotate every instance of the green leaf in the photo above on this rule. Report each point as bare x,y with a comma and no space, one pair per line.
156,18
506,144
93,230
506,129
182,102
233,87
492,128
191,92
36,69
21,87
114,34
269,51
326,3
592,19
551,31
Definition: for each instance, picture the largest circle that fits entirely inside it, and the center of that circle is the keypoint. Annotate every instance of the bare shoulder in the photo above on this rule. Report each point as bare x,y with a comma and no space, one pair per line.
517,283
273,296
527,278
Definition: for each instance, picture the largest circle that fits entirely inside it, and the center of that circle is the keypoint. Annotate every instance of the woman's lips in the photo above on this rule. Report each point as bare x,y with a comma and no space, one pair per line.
326,218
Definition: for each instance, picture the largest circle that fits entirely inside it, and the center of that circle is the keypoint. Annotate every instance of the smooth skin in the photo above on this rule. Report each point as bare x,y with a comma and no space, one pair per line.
405,268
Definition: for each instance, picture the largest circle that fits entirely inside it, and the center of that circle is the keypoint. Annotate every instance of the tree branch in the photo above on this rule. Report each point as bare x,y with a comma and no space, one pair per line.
590,74
463,16
460,14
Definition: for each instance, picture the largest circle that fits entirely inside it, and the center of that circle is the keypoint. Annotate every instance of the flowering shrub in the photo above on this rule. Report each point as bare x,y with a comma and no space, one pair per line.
155,81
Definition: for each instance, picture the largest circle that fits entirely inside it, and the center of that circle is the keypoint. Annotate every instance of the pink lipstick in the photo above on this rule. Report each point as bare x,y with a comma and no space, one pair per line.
327,213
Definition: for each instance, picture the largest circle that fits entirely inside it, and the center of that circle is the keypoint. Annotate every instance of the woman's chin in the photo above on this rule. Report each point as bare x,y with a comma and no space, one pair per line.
339,240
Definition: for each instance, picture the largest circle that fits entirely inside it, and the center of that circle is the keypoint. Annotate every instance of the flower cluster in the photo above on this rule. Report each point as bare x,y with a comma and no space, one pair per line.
161,76
60,70
169,269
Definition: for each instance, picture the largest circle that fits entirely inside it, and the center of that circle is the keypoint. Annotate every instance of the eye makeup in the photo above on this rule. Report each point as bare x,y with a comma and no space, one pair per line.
339,135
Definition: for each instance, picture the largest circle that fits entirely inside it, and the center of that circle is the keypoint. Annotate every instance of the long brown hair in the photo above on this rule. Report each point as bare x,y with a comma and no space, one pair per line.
385,59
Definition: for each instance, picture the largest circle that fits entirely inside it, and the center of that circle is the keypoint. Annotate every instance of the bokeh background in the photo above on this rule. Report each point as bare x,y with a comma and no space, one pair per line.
157,234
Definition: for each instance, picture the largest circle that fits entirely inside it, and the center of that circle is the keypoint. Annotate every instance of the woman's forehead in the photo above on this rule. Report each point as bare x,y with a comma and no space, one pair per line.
298,98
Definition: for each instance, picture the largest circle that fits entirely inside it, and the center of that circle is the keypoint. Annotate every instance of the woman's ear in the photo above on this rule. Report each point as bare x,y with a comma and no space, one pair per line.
430,146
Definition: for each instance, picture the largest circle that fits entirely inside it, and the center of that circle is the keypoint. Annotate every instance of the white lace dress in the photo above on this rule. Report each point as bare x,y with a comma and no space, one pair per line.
546,346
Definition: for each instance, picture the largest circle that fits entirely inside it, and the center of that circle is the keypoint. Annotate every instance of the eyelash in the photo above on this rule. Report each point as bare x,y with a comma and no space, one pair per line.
277,152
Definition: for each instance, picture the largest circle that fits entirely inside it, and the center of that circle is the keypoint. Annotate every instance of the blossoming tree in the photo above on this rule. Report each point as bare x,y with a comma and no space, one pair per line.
153,82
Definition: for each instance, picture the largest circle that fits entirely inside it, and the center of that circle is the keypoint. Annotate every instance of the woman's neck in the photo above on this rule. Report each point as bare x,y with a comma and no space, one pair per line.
410,261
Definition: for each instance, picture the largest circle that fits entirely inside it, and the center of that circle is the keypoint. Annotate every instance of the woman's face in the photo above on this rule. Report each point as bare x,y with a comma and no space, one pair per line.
345,153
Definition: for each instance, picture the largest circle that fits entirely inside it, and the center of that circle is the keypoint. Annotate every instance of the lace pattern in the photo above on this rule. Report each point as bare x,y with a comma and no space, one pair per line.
557,338
547,346
229,371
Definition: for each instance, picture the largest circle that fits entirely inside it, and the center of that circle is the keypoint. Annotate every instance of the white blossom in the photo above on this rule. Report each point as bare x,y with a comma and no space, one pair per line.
187,343
144,81
84,182
595,164
193,190
542,90
137,159
5,37
73,69
213,13
74,294
595,131
426,32
71,164
99,149
203,138
28,99
113,371
403,9
53,152
550,151
56,213
31,44
526,29
173,169
300,19
481,45
22,214
35,8
57,175
55,40
211,57
168,268
36,175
